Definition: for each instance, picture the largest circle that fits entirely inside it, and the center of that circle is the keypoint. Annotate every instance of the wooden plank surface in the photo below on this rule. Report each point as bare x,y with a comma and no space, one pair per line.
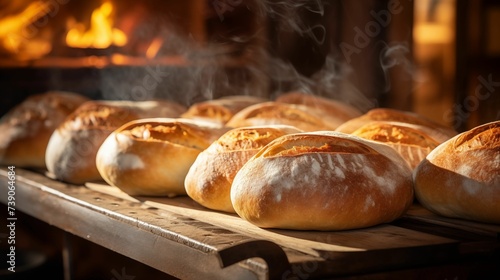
419,213
203,233
162,240
309,242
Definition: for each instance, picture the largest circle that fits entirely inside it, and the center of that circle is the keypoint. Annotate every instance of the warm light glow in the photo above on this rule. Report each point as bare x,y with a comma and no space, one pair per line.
431,33
434,24
155,46
17,36
101,33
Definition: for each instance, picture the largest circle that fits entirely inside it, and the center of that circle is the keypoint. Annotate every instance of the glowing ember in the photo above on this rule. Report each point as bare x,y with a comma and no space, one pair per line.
101,33
155,46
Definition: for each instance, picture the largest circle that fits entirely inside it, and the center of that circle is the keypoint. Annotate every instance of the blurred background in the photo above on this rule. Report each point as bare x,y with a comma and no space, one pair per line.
437,58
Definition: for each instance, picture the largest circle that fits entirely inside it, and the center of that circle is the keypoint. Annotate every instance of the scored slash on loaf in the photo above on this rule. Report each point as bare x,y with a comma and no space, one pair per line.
413,142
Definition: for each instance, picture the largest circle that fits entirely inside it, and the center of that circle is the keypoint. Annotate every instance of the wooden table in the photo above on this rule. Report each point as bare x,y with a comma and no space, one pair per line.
164,233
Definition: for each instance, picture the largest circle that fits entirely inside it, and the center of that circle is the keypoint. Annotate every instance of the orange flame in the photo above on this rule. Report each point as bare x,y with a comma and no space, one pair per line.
17,36
101,33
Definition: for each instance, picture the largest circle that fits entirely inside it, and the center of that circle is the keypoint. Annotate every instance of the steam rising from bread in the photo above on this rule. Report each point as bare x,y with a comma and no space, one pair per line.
208,72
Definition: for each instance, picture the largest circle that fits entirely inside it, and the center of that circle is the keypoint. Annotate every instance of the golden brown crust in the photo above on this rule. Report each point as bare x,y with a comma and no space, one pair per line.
328,106
26,128
222,109
322,181
98,115
461,177
272,113
110,114
209,179
439,132
412,142
72,148
152,156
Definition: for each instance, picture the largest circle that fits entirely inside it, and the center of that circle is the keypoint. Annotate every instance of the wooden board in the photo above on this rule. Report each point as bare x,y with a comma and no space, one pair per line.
387,246
418,213
312,243
111,218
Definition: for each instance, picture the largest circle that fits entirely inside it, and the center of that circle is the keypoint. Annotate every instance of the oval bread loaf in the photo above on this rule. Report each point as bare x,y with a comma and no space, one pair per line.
220,110
271,113
27,127
461,177
152,156
322,181
326,105
209,179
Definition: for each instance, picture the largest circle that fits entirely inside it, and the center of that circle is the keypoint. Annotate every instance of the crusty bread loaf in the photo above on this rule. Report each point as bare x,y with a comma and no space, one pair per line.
412,142
322,181
26,128
72,148
461,177
209,179
328,106
152,156
439,132
222,109
271,112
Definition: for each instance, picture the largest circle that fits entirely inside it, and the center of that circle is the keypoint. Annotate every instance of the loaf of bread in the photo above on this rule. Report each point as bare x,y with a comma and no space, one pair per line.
328,106
151,157
439,132
71,151
322,181
209,179
413,142
26,128
270,113
461,177
222,109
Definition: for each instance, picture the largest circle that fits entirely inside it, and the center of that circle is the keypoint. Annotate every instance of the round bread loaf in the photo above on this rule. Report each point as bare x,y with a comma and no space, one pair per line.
209,179
270,113
439,132
328,106
71,151
461,177
152,156
26,128
322,181
222,109
412,142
